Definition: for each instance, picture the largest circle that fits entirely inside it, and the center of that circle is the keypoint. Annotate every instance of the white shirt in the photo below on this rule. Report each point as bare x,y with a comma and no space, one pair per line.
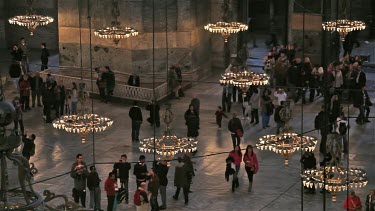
280,97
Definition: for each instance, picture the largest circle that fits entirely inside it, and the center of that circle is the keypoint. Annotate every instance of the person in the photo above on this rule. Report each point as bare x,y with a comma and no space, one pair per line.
109,187
308,161
36,89
17,55
162,172
140,170
93,184
25,87
267,108
192,122
73,96
44,57
58,96
359,78
269,63
121,170
101,82
79,173
322,124
219,116
189,164
251,165
141,198
173,84
362,102
18,118
153,189
181,180
280,96
342,128
135,115
227,97
254,103
111,83
154,109
370,201
25,54
134,80
178,71
61,105
353,202
15,73
279,121
48,99
236,154
28,146
195,102
236,130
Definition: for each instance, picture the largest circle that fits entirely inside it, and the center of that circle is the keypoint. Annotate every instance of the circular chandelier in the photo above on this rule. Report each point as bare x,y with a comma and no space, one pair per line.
116,33
244,79
343,26
30,20
226,28
82,124
286,144
334,179
169,144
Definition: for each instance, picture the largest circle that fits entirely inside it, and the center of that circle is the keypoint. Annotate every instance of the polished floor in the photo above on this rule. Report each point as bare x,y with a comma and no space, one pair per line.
276,187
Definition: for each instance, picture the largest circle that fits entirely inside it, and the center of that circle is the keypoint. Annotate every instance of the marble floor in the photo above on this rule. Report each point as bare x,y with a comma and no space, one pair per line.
276,187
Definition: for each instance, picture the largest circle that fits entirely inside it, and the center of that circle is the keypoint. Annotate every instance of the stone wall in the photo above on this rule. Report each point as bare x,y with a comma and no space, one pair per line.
187,42
47,34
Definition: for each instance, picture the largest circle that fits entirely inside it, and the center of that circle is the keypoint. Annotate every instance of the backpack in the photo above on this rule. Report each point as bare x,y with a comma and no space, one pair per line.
316,122
137,198
32,150
343,128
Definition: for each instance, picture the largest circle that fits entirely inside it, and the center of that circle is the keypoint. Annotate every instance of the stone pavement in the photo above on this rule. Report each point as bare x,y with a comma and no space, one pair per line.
276,187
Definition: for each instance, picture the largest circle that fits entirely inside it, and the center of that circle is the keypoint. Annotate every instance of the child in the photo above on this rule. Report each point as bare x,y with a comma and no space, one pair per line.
219,116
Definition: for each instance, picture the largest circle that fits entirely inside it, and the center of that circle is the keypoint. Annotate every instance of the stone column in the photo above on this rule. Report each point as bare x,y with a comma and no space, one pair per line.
290,14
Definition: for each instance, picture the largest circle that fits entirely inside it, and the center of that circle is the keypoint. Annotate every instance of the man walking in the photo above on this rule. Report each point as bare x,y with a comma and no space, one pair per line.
79,173
135,114
93,184
121,170
236,129
162,172
181,180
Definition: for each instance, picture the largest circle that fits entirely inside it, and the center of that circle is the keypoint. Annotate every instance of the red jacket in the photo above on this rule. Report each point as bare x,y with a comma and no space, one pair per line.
25,88
251,161
109,187
237,158
353,203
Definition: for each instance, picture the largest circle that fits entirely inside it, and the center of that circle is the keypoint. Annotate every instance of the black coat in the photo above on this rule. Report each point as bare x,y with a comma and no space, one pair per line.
140,171
34,82
131,81
192,123
359,100
15,70
111,80
235,124
154,112
135,114
48,97
44,56
162,172
309,162
93,180
123,168
17,55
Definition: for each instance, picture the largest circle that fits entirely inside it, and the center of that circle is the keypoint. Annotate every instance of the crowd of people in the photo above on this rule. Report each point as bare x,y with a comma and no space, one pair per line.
149,183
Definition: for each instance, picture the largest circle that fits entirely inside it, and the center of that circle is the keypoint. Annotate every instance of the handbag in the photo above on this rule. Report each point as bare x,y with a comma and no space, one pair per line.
239,133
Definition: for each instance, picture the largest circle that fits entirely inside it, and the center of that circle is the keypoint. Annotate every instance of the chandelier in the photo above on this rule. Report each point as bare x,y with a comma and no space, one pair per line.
30,20
343,26
82,123
116,32
169,144
286,144
334,179
244,79
226,28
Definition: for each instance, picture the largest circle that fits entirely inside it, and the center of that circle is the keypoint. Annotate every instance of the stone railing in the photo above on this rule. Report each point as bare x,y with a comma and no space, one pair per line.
121,90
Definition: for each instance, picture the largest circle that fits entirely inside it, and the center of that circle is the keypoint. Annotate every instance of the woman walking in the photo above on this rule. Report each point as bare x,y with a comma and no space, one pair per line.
251,164
236,154
192,122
